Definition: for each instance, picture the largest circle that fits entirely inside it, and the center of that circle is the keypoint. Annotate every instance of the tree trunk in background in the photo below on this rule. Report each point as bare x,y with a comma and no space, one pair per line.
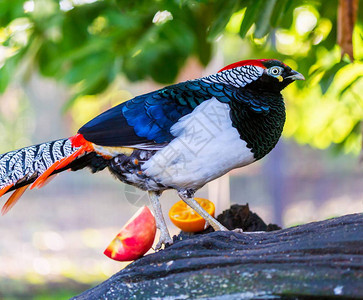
347,16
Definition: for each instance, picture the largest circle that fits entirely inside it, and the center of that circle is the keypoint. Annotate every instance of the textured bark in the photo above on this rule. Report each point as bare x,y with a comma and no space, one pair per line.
321,259
347,16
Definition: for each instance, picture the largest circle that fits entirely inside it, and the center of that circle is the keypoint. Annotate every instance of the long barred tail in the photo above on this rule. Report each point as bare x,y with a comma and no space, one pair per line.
33,165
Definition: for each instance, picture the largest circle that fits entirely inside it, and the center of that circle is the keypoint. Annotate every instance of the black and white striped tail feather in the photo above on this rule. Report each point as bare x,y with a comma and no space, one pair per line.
30,162
21,167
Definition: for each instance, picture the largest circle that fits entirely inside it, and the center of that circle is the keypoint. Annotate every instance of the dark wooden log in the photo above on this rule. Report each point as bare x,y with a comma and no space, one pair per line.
320,259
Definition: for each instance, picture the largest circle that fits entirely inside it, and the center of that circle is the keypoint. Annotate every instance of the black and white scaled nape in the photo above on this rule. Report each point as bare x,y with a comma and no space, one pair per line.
237,77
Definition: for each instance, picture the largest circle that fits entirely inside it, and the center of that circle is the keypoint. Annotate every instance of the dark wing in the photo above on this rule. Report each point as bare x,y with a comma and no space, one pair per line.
146,120
111,129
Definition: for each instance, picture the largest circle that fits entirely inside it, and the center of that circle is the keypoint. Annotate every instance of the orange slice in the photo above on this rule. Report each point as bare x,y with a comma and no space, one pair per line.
186,218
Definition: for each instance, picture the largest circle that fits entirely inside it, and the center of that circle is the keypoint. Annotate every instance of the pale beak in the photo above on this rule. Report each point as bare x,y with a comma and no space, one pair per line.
295,76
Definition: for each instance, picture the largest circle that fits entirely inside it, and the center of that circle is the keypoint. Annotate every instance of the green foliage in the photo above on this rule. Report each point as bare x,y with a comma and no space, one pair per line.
88,44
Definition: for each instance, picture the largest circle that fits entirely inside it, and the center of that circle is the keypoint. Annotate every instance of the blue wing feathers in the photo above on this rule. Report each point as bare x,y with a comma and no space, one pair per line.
148,118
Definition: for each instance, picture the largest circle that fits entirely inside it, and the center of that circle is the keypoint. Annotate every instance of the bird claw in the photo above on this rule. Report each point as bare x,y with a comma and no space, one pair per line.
238,230
165,240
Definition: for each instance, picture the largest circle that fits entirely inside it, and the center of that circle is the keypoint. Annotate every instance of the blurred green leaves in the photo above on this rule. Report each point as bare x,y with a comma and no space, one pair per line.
329,75
87,44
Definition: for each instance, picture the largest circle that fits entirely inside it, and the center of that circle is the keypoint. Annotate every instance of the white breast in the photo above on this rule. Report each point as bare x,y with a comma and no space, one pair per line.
206,147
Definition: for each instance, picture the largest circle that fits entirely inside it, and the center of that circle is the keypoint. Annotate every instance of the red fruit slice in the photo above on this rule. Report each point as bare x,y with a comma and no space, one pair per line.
135,238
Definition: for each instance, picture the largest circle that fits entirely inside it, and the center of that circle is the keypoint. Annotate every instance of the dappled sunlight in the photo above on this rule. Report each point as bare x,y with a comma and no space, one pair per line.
320,120
306,19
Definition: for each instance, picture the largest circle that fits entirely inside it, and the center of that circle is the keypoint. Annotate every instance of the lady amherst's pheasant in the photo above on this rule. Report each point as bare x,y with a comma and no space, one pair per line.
179,137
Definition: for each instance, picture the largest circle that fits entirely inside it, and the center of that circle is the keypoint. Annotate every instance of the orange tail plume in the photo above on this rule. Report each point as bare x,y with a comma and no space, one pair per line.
5,189
40,160
13,199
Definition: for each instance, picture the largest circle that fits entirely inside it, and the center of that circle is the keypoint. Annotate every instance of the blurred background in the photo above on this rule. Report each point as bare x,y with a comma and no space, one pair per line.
64,62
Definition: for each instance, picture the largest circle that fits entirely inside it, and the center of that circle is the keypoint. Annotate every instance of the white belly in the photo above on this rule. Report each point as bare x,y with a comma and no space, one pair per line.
206,147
